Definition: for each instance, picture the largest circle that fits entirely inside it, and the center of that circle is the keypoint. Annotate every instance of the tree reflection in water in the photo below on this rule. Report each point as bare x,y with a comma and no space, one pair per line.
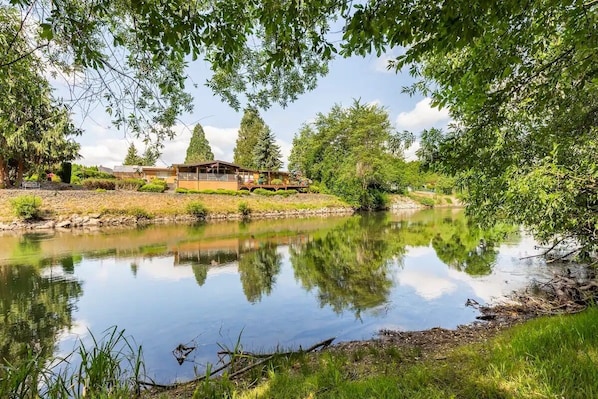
258,270
34,308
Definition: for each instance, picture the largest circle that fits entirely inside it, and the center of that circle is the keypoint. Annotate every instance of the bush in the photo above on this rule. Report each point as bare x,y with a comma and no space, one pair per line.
426,201
181,190
314,189
244,209
129,184
139,213
263,191
243,192
277,182
93,184
152,188
55,178
159,182
65,172
197,209
26,207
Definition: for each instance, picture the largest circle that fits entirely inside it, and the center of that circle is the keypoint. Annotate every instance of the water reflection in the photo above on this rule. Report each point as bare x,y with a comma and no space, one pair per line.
348,266
287,282
34,309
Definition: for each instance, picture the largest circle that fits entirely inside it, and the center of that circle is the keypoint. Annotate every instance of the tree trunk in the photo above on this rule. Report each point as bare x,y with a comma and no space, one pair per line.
20,169
4,182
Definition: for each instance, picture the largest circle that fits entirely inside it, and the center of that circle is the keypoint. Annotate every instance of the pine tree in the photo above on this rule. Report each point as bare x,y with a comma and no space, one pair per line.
132,157
252,125
199,149
150,156
266,153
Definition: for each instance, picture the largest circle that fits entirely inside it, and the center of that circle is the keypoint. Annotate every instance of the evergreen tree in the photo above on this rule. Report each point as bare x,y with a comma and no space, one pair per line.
132,157
150,156
199,149
266,153
250,130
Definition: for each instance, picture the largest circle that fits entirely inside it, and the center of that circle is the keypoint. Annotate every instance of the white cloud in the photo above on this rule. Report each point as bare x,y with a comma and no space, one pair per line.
425,284
423,116
381,63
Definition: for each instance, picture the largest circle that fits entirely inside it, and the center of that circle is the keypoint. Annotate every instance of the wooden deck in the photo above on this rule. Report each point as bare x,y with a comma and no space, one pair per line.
273,187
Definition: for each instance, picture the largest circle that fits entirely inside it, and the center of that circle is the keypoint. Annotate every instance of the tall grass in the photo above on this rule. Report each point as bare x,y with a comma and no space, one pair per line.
107,368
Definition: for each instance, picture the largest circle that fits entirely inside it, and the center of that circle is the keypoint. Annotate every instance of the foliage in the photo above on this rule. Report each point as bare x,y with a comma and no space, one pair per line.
251,129
181,190
276,182
152,188
159,182
36,131
199,149
445,185
150,156
65,172
270,193
348,151
132,157
27,207
244,209
266,153
80,173
129,184
258,271
105,184
197,209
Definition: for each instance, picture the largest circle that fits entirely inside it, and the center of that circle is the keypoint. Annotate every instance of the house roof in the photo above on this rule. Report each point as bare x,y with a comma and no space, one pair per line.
216,163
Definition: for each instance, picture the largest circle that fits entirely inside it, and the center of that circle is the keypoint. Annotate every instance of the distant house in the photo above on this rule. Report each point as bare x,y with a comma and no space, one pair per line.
225,175
146,173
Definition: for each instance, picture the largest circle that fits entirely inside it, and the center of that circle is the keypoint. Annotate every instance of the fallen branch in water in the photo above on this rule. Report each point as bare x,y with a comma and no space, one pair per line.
209,375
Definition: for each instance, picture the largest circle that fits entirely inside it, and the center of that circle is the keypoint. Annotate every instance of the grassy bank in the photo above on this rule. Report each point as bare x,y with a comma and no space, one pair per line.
552,357
549,357
57,204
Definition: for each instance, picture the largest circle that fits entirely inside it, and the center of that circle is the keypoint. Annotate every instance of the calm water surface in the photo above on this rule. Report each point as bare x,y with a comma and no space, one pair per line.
273,283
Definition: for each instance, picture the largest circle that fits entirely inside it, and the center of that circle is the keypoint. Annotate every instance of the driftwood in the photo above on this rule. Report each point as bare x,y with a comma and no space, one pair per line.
264,359
563,294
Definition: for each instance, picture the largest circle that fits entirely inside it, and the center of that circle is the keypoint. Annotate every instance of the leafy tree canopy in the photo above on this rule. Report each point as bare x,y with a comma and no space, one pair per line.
351,151
199,149
35,131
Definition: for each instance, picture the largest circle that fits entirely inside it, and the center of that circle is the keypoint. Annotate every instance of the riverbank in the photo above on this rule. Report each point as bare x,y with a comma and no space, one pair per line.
544,357
79,208
65,209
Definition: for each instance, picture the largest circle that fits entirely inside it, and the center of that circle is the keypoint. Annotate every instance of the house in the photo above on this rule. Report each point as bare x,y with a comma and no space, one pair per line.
225,175
146,173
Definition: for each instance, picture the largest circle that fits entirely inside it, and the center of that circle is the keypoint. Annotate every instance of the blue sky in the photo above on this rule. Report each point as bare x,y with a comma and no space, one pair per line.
354,78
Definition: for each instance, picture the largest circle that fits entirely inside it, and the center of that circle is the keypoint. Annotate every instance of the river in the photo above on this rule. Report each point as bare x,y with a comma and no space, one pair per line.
266,284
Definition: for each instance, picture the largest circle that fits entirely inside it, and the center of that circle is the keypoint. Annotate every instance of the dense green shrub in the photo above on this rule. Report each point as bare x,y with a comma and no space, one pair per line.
244,192
313,188
263,191
106,184
426,201
65,172
26,207
129,184
159,182
197,209
244,209
152,188
276,182
181,190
